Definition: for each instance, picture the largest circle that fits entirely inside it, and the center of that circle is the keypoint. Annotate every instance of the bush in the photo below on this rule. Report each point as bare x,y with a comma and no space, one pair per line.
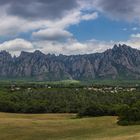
129,114
92,110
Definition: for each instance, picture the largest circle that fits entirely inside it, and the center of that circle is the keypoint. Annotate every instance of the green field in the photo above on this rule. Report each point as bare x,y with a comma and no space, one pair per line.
107,82
63,127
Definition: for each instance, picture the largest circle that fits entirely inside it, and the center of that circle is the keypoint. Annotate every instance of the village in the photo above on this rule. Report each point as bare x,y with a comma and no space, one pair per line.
111,89
104,89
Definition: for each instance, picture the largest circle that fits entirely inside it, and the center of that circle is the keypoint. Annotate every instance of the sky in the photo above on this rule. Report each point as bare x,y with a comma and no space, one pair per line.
68,27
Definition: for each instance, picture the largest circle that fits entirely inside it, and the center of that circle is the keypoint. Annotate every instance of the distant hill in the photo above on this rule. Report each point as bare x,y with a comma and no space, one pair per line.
121,62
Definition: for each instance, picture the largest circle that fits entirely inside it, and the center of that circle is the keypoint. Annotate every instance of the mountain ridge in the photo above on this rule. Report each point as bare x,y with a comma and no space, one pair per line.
121,61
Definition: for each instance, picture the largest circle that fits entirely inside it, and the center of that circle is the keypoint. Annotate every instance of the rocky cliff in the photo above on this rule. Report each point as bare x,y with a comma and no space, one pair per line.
120,62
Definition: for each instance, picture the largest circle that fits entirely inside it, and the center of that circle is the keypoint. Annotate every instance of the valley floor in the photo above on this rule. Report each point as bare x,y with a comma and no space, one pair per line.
63,127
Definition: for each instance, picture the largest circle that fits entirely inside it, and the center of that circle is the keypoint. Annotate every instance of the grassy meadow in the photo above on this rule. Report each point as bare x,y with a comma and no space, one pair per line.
63,127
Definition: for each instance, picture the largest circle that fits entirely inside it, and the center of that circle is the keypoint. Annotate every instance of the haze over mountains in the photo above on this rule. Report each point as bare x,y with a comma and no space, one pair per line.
121,62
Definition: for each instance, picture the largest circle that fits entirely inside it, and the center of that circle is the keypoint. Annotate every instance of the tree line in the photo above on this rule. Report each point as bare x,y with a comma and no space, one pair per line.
72,100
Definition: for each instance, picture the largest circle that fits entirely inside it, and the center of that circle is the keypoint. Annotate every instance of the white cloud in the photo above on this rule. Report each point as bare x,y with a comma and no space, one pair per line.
135,35
69,47
134,29
73,47
91,16
49,34
52,34
16,46
12,25
134,41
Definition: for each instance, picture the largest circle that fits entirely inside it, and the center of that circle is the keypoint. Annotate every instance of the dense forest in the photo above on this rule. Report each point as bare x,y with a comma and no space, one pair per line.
83,100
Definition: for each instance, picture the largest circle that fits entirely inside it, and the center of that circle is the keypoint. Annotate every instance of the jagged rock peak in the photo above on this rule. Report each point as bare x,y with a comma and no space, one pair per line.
38,52
24,54
121,61
5,54
121,46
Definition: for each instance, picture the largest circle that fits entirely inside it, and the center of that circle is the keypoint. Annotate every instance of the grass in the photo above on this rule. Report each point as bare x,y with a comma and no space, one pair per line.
63,127
116,82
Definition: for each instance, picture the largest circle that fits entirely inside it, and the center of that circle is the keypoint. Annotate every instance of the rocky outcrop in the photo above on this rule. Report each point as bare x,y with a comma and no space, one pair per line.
120,62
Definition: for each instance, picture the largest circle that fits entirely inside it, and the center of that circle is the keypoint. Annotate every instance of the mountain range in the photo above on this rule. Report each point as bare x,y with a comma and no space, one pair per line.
120,62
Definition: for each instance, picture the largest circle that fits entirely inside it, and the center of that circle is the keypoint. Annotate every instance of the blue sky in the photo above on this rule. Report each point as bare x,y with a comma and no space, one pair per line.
102,29
74,27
